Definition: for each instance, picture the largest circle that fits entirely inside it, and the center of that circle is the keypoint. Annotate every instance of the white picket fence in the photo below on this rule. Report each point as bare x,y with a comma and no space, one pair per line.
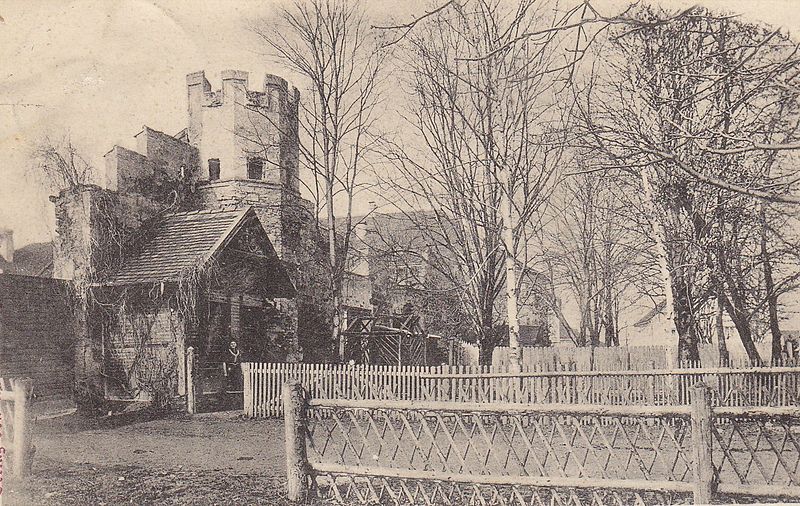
766,386
263,383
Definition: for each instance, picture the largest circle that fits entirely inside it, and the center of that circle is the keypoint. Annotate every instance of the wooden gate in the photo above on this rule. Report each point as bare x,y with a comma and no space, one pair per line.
388,340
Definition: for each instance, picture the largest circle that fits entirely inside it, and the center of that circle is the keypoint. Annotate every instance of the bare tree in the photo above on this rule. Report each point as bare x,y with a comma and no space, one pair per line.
58,165
695,106
490,149
596,249
330,45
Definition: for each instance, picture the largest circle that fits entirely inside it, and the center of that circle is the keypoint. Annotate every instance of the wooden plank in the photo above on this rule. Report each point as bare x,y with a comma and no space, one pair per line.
511,408
787,491
498,479
757,411
694,372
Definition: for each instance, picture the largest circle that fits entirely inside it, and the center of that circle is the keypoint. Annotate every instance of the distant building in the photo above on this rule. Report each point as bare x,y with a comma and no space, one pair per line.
34,259
651,327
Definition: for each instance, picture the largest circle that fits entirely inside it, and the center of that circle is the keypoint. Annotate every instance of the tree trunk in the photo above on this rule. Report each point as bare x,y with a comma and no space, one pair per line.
487,337
333,265
724,356
486,345
612,335
742,325
772,297
684,324
659,236
595,323
515,354
587,301
584,330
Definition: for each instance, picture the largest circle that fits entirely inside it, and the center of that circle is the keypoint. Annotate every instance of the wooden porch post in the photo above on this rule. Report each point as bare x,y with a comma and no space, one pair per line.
191,407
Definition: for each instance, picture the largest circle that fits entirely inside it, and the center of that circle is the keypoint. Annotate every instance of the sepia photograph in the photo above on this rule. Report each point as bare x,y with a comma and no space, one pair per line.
408,252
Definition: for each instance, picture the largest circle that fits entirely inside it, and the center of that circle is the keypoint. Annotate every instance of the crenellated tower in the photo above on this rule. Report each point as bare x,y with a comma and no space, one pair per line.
248,149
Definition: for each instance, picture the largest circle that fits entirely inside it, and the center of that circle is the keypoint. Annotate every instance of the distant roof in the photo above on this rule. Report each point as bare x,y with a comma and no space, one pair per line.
35,259
183,241
402,228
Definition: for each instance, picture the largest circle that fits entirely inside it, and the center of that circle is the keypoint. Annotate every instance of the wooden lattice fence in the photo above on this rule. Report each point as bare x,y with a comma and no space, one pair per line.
401,452
769,386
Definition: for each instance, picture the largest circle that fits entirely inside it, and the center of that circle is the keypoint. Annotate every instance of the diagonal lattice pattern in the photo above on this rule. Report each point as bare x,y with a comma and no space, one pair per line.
584,446
757,451
347,489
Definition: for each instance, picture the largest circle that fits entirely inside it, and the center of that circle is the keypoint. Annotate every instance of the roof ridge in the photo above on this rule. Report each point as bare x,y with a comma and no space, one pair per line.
218,210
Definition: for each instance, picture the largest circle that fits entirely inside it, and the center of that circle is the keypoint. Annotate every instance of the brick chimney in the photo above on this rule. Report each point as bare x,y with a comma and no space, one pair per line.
7,245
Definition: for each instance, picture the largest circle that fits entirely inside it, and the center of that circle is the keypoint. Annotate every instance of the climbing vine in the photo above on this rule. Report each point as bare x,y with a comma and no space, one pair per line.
98,230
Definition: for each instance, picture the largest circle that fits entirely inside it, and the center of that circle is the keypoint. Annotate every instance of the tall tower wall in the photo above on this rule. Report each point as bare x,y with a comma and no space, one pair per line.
238,127
248,148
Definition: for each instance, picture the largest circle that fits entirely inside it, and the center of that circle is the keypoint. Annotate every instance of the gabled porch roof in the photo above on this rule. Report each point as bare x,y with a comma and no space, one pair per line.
181,242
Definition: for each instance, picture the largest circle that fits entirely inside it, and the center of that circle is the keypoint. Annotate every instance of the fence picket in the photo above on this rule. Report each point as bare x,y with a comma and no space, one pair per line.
538,383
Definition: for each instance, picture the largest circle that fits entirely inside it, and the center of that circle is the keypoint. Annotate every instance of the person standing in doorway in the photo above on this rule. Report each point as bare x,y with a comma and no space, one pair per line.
233,369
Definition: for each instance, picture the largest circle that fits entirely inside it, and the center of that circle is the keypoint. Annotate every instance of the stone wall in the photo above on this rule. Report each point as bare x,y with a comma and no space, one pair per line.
124,168
93,226
142,346
162,164
283,214
36,334
167,152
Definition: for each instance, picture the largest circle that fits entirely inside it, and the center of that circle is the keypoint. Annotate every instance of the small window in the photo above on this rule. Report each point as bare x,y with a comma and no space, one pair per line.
213,169
255,168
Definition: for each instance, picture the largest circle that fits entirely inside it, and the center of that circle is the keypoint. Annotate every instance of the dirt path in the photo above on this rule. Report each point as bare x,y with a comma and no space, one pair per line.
204,442
206,459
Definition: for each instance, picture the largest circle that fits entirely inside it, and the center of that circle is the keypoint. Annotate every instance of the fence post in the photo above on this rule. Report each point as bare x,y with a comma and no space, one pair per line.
22,442
702,465
294,421
247,386
191,407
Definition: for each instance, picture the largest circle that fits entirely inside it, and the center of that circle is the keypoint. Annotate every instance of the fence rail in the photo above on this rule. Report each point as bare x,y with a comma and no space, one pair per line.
752,386
426,452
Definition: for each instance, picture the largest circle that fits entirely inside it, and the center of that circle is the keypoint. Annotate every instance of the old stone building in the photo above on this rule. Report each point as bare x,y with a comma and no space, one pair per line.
202,237
196,239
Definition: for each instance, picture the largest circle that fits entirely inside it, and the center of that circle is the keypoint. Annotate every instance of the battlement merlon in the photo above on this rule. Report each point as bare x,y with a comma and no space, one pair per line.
235,83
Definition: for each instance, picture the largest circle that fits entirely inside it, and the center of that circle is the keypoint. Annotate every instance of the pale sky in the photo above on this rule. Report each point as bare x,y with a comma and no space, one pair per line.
101,69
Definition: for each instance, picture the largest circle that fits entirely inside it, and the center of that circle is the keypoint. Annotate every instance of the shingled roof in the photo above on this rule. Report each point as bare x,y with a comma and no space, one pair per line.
182,241
35,259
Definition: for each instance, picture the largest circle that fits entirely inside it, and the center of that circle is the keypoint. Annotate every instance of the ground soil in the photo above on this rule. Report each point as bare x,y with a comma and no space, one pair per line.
206,459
